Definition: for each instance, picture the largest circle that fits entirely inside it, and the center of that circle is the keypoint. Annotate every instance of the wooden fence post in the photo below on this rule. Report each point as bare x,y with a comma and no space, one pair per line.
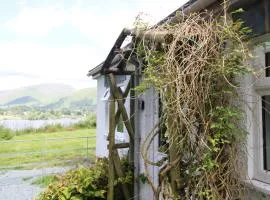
110,194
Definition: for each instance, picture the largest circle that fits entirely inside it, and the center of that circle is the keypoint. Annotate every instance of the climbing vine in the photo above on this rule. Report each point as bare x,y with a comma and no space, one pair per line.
193,65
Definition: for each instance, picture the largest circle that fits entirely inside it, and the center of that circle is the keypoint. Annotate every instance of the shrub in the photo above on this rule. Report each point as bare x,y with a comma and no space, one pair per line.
5,133
85,183
51,128
88,122
44,181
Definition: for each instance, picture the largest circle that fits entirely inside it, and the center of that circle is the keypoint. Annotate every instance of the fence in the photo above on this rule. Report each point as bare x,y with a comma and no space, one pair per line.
47,152
24,161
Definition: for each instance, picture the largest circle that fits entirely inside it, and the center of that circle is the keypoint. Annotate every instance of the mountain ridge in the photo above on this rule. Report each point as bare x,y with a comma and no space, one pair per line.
68,98
44,93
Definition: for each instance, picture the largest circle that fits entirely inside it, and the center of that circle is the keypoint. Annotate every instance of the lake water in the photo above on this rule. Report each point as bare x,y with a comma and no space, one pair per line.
24,124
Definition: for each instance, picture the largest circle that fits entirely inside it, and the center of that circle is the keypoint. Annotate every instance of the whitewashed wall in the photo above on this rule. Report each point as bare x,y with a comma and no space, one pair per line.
103,117
146,119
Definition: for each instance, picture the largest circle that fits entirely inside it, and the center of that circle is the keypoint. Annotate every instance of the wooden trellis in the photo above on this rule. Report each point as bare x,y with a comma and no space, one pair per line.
115,169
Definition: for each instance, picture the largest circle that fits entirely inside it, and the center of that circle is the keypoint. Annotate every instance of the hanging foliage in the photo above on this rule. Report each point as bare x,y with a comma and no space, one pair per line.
193,66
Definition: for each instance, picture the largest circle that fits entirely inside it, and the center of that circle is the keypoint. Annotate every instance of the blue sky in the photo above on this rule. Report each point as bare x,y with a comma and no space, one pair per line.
58,41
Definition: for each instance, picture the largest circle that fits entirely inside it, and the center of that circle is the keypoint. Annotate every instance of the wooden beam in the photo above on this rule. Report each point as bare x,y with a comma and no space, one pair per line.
119,98
132,114
120,173
118,113
116,46
112,125
121,145
156,36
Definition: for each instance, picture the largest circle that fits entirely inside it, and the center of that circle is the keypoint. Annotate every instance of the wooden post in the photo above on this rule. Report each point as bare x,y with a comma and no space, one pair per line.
110,194
132,122
121,106
114,159
173,153
118,113
120,173
132,116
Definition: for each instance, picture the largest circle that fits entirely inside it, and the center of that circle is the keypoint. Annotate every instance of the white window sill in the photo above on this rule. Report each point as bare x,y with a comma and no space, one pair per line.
258,186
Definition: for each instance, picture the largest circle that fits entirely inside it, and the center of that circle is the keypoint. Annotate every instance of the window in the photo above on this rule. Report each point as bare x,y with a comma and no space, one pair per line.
266,119
106,95
120,125
258,119
162,129
254,12
120,129
266,131
267,64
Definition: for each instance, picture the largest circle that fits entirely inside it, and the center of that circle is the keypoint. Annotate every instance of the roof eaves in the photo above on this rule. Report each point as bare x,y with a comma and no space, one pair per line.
96,70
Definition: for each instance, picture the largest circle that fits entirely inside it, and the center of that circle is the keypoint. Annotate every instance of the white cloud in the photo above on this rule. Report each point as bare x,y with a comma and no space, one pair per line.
51,64
91,21
68,64
37,21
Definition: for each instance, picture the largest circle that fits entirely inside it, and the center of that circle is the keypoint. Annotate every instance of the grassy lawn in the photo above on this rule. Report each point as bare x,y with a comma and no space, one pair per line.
47,149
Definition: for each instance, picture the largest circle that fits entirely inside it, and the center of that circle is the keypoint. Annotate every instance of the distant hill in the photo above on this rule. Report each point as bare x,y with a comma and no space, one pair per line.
26,100
44,93
84,98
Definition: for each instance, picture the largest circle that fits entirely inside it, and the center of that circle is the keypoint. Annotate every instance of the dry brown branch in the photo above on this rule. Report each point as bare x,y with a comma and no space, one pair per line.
194,74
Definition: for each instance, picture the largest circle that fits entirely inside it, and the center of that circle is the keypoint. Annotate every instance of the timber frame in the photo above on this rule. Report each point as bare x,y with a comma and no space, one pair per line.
116,64
115,169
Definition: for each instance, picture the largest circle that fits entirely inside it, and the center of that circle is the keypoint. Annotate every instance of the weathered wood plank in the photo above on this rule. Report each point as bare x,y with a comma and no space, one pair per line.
120,173
120,98
132,115
121,145
112,125
118,113
156,36
121,106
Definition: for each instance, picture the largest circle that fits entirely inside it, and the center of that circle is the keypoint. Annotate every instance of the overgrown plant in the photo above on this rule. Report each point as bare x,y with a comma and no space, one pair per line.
193,65
5,133
86,183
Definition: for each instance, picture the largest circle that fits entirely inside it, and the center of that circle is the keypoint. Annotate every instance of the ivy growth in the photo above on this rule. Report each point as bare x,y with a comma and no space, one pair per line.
194,70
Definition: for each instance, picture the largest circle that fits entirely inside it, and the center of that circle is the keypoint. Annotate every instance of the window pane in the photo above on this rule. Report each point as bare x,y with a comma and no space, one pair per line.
120,125
266,130
267,64
252,15
162,139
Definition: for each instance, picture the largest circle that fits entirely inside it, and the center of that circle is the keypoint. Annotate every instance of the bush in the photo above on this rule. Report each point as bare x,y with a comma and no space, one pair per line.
85,183
89,122
45,129
44,181
5,133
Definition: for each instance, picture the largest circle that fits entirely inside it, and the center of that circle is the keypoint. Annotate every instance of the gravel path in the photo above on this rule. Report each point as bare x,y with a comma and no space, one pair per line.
16,184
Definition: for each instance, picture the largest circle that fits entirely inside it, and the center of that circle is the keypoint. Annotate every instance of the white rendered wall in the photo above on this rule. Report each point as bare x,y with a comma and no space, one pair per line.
146,119
103,118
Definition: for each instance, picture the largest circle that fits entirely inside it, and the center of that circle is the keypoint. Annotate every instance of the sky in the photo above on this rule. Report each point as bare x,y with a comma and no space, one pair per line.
59,41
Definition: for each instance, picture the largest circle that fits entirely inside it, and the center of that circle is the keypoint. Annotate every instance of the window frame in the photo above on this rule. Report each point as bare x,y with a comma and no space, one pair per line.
260,88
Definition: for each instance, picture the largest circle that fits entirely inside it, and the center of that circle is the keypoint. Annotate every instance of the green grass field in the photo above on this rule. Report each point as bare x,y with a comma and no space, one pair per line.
47,149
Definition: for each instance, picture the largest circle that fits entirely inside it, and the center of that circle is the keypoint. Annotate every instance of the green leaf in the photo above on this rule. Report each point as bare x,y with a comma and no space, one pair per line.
240,10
